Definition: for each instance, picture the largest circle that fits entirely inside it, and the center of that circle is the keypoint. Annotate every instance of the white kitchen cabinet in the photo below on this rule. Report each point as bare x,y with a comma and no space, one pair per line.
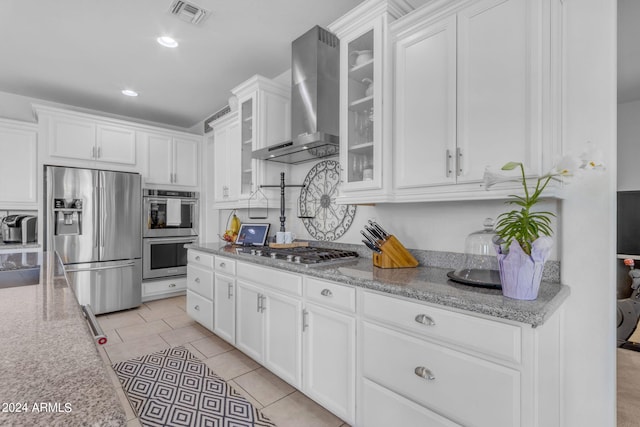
200,288
163,288
471,79
84,140
269,319
365,116
329,346
419,356
224,299
172,159
265,119
18,174
226,160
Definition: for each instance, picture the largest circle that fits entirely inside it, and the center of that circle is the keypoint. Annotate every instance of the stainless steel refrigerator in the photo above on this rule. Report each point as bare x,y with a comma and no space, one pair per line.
93,221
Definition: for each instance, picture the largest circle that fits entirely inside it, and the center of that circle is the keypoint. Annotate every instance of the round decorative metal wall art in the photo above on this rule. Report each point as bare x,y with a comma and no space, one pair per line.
322,217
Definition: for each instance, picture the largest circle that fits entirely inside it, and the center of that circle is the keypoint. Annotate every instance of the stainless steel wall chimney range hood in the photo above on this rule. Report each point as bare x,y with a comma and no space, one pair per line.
315,91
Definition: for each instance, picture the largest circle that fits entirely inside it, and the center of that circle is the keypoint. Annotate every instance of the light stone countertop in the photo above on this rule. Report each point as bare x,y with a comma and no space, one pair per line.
51,369
428,284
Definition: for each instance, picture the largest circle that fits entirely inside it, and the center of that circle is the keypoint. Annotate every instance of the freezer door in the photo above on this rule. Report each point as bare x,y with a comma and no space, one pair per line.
107,286
120,215
70,227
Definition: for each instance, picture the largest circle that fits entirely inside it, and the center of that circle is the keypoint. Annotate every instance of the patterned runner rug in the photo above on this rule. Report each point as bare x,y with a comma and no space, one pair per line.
174,388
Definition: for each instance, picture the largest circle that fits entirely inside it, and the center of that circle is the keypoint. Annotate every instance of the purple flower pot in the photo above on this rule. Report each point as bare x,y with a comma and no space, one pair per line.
520,273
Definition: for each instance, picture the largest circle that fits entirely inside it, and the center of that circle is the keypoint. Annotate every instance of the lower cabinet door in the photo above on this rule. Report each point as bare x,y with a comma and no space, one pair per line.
224,313
283,329
329,360
464,388
384,408
249,320
200,309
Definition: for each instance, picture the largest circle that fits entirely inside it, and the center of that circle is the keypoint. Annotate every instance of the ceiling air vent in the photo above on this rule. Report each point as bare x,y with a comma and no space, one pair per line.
188,12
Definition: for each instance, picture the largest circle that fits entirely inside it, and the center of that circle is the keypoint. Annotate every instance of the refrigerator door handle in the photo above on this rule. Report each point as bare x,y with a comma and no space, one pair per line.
95,219
108,267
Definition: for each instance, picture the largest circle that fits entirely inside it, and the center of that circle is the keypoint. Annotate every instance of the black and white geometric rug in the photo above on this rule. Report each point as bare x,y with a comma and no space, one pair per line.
174,388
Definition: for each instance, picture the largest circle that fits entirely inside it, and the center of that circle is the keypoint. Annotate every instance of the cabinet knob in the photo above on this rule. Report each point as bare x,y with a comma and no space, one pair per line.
173,285
197,280
197,307
425,320
326,293
425,373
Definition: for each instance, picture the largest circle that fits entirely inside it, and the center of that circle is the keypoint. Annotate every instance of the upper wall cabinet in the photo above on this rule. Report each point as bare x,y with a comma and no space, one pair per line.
225,148
83,140
18,174
265,119
365,116
473,88
172,159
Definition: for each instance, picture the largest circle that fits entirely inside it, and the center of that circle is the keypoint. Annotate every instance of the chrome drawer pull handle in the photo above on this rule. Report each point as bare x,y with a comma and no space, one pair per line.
423,372
197,257
222,265
197,307
425,320
173,285
197,280
326,293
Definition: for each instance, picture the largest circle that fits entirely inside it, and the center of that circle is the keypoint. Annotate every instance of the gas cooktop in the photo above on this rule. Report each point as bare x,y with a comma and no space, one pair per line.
305,255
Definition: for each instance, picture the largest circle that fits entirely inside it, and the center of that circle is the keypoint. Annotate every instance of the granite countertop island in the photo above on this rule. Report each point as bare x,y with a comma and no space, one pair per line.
425,283
52,373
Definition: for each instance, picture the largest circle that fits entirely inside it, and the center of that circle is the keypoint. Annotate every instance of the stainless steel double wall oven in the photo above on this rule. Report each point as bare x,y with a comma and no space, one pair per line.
170,221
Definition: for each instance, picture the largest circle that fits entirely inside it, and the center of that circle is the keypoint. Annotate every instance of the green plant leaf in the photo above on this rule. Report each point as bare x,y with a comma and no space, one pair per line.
510,166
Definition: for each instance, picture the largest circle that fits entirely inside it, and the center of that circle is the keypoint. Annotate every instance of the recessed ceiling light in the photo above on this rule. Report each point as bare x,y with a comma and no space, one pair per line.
129,92
167,41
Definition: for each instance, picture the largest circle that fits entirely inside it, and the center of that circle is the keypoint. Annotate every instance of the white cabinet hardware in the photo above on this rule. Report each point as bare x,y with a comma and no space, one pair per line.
425,373
425,320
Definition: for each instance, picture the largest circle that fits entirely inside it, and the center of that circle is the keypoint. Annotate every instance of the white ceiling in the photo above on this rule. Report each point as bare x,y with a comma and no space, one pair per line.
84,52
628,50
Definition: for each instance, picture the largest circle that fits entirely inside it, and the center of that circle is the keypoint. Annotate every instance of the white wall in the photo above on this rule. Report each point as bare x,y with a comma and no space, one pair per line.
588,216
629,146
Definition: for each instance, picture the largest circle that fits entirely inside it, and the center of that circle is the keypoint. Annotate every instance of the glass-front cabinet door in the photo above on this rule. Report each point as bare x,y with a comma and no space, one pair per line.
247,131
362,106
365,115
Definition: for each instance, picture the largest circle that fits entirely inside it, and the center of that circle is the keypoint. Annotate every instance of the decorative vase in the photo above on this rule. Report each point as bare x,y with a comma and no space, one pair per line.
521,274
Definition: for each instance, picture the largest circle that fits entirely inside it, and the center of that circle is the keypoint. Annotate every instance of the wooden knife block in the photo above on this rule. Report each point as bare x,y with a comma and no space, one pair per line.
393,255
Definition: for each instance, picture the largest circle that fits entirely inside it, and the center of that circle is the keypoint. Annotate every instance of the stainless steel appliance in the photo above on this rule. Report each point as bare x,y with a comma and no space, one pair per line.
19,229
315,93
159,206
306,255
92,222
165,256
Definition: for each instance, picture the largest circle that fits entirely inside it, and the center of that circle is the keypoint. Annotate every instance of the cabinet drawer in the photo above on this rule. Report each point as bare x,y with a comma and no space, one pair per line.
274,279
384,408
225,265
490,337
201,258
200,280
463,388
163,286
200,309
330,294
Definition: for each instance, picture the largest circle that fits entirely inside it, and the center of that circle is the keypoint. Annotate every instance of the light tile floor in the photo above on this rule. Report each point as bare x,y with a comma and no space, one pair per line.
161,324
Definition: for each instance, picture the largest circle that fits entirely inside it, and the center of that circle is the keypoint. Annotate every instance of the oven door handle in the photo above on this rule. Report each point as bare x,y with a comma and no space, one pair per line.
108,267
186,240
184,201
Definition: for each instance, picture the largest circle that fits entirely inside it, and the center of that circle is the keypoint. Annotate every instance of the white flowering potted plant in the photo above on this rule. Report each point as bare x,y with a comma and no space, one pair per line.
523,242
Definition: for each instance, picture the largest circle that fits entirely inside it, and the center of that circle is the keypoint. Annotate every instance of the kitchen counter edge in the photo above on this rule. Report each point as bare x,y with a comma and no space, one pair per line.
427,284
